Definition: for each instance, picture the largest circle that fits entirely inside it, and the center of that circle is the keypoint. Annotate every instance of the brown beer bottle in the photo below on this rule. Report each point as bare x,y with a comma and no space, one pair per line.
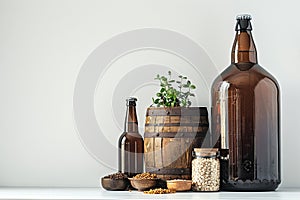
246,118
131,144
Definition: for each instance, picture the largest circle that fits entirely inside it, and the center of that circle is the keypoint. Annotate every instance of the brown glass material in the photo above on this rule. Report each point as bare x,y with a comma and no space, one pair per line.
246,120
131,144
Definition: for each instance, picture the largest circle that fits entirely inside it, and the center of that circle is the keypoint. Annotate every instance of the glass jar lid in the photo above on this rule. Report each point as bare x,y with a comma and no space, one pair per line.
205,152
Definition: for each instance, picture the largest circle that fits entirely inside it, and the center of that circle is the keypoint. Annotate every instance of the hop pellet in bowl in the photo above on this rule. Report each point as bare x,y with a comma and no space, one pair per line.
117,181
143,181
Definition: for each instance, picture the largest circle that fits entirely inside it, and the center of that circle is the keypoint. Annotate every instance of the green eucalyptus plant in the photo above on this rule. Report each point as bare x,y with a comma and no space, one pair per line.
168,96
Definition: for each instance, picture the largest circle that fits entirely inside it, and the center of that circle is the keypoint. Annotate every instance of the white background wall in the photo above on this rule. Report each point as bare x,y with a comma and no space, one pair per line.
43,44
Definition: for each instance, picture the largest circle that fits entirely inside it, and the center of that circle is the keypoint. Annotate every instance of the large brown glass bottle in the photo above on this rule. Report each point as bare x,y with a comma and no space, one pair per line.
131,144
246,118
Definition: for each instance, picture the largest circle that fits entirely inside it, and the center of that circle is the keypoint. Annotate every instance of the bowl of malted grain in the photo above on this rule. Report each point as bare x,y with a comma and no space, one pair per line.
117,181
143,181
179,184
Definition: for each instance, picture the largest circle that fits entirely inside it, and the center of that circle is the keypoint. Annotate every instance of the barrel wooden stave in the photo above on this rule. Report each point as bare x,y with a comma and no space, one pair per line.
170,136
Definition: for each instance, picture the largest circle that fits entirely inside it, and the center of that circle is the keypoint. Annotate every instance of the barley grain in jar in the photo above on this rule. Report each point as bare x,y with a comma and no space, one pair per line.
205,170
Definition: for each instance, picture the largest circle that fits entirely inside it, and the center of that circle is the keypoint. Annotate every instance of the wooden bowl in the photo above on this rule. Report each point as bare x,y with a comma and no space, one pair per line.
114,184
142,184
179,184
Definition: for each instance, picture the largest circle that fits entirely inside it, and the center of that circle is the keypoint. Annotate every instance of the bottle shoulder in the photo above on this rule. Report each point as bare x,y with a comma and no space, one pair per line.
130,136
239,75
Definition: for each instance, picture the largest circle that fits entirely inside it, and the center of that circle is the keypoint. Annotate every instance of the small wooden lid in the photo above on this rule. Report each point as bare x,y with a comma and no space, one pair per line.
206,151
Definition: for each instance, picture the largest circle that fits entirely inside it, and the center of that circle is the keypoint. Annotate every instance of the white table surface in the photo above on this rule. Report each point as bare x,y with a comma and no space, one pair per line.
99,193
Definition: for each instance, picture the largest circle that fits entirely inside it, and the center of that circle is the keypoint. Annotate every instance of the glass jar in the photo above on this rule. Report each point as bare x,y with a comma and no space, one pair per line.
205,169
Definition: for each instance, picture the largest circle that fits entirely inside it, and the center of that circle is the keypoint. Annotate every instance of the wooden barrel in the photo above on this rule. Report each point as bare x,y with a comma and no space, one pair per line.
170,136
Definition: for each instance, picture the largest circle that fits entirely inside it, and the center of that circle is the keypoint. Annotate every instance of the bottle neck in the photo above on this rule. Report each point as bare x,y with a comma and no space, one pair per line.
131,122
243,49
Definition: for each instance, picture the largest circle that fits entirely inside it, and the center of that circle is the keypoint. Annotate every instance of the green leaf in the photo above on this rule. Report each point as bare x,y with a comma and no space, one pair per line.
164,78
170,96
